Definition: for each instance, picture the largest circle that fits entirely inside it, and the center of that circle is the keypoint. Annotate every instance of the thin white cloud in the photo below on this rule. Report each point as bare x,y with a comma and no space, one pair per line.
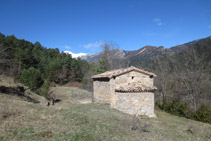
94,45
158,21
67,47
209,26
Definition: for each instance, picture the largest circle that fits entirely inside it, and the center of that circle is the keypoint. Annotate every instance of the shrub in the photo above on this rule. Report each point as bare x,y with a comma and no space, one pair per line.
45,88
31,77
202,114
175,107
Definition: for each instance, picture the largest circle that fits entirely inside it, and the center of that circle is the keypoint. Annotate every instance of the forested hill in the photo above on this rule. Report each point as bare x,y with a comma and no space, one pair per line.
184,76
37,66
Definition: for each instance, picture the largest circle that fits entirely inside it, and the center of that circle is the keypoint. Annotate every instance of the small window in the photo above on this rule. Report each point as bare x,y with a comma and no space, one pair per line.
132,77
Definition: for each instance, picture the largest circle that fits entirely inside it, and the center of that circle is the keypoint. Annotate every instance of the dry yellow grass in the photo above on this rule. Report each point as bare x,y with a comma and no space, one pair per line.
68,121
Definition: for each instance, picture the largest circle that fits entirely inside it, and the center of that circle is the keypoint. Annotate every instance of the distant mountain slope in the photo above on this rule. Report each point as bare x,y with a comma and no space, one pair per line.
182,47
139,51
145,53
93,58
149,53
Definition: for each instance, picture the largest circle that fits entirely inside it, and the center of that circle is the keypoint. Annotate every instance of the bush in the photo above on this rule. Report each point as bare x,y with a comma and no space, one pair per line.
175,107
202,114
31,77
45,88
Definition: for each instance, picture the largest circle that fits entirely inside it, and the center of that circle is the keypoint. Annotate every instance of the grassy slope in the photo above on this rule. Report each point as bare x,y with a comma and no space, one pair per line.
68,121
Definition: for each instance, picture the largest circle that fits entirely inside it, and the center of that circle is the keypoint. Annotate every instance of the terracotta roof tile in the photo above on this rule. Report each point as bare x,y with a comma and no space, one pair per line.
134,87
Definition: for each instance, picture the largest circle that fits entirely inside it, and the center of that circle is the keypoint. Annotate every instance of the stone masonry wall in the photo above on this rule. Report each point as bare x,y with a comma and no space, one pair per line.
134,77
141,103
135,103
101,91
112,92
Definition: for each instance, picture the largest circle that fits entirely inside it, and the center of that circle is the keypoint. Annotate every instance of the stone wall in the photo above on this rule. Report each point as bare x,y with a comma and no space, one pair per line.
135,103
101,92
134,76
112,92
141,103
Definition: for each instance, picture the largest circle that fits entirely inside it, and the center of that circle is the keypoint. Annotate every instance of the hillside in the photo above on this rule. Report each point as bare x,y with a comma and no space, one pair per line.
69,119
37,66
9,87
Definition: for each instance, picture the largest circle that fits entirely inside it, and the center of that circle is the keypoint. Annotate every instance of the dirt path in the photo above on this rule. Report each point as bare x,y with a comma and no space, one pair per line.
72,94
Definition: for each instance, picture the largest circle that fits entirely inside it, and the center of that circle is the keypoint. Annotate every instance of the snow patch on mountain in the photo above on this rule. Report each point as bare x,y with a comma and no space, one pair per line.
75,55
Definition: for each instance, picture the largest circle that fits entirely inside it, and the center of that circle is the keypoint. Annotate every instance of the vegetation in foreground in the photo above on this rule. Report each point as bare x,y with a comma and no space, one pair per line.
177,108
21,120
33,64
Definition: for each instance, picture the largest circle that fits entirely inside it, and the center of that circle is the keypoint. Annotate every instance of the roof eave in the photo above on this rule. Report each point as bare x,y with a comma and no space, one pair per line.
146,73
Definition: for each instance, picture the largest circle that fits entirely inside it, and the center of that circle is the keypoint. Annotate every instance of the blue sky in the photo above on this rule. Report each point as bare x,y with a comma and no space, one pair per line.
83,25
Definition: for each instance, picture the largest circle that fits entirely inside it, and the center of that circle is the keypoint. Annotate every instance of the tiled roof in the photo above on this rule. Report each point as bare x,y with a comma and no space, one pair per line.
135,87
114,73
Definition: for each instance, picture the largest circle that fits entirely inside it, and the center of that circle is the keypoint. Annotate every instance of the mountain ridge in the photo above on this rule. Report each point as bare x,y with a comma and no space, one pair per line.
147,52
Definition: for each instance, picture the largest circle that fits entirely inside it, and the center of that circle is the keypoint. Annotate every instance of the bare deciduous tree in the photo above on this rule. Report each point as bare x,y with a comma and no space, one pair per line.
192,76
184,77
163,69
110,54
